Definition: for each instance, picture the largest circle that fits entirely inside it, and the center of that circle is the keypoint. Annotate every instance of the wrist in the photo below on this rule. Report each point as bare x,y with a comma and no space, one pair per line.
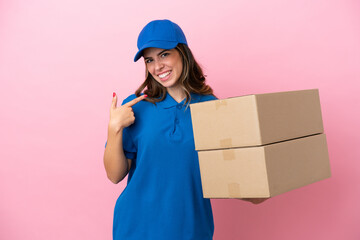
115,129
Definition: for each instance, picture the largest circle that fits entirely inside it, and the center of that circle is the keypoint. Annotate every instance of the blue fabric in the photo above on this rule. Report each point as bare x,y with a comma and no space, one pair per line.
163,34
163,198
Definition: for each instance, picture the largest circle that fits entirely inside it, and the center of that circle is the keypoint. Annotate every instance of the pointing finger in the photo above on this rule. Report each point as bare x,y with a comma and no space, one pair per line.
136,100
114,101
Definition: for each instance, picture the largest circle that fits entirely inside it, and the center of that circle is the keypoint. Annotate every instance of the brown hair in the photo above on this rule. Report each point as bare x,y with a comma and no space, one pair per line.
192,79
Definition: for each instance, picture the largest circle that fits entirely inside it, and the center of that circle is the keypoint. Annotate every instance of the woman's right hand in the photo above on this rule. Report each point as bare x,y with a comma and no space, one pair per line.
123,116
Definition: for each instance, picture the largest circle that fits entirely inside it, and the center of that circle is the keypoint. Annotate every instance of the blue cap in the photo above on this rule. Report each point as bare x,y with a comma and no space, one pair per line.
159,34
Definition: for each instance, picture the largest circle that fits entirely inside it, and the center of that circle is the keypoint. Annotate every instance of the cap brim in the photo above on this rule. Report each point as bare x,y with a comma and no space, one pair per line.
155,44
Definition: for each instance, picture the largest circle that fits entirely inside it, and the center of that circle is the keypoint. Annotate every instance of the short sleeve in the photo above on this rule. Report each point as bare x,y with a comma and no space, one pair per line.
128,143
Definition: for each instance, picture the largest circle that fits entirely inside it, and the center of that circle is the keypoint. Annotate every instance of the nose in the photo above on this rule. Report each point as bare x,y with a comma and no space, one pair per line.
158,65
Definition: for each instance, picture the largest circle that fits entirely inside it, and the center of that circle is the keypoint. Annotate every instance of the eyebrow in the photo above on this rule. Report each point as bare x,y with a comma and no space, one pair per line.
158,53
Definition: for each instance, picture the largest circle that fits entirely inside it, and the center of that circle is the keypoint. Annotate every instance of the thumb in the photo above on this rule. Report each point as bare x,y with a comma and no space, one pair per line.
114,100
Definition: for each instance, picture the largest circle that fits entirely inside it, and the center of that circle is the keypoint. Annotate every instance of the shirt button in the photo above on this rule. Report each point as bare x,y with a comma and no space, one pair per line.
177,121
179,106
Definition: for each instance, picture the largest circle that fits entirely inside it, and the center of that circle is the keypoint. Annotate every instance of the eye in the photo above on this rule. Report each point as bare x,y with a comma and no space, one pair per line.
164,54
148,60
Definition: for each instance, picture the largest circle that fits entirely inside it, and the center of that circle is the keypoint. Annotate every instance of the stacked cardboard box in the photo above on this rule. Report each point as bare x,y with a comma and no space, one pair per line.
261,145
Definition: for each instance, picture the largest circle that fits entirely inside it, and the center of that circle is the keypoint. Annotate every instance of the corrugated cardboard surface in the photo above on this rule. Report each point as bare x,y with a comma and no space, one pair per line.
296,163
289,115
233,173
264,171
225,123
255,120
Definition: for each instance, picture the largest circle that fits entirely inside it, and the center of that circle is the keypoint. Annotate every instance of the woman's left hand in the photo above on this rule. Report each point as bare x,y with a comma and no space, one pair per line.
254,200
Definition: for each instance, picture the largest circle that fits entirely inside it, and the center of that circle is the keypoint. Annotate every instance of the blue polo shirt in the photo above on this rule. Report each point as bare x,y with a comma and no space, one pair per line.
163,199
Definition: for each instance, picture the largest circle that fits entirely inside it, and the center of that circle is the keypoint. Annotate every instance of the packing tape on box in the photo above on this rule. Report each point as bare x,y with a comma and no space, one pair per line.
225,143
220,103
228,154
234,190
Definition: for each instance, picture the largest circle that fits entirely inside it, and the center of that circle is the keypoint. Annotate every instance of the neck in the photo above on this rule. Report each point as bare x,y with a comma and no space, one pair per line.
176,93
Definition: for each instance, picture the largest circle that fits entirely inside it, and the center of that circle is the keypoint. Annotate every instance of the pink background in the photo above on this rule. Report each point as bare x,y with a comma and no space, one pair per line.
60,61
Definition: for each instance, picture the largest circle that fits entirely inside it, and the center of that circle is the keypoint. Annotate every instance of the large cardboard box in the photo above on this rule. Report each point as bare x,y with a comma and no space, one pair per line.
264,171
255,120
261,145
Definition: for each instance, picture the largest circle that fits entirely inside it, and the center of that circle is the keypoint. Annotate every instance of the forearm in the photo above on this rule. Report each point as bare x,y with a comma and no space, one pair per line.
115,162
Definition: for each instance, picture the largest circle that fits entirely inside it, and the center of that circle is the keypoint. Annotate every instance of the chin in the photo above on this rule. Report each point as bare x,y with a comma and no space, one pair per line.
167,84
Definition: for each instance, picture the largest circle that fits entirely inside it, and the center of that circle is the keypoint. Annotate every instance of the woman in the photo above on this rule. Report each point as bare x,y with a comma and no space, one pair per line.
150,137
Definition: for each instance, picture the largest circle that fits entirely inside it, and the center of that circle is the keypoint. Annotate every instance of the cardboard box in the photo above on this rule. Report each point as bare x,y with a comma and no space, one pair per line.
255,120
264,171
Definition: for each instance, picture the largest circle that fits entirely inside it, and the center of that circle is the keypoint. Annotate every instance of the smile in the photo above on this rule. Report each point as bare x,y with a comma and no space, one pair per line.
164,74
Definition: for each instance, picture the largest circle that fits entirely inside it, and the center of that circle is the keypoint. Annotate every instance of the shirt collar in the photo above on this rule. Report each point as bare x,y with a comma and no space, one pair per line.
169,101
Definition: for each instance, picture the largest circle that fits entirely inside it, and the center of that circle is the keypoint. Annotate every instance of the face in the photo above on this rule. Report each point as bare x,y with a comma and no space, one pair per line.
165,66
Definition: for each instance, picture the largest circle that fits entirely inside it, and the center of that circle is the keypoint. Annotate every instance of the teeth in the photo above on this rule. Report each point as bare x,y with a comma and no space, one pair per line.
164,74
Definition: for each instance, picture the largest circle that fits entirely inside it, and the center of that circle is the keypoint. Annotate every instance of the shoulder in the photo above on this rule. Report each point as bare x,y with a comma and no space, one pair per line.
209,97
128,99
139,106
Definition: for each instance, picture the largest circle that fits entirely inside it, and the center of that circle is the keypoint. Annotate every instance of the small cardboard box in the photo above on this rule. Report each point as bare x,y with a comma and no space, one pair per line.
264,171
255,120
